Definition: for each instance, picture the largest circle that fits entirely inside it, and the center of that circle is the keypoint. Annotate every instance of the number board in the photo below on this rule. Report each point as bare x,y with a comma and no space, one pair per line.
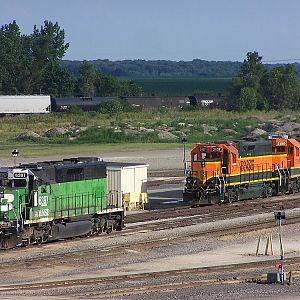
20,175
216,149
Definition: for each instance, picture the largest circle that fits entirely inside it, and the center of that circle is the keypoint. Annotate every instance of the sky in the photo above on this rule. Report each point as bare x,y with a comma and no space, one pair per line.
215,30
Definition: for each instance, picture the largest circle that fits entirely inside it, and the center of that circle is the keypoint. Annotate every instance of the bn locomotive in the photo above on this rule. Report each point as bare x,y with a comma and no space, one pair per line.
230,171
56,199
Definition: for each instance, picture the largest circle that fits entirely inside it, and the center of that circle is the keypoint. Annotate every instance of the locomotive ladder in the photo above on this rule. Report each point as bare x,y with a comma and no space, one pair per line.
286,173
222,184
279,174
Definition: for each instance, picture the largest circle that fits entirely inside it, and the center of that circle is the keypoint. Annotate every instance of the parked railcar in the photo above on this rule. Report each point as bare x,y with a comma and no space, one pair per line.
84,103
31,104
230,171
56,199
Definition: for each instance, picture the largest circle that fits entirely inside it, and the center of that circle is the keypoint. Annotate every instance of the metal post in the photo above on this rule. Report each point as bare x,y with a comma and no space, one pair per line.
279,216
280,240
184,141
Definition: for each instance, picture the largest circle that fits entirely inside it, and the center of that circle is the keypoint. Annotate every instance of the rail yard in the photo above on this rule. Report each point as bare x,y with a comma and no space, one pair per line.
206,252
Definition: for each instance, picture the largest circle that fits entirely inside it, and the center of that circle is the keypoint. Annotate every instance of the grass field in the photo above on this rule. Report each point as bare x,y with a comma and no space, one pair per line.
39,150
183,86
129,131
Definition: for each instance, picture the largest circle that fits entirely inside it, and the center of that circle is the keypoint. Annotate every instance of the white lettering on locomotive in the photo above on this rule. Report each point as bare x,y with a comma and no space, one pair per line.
9,198
41,213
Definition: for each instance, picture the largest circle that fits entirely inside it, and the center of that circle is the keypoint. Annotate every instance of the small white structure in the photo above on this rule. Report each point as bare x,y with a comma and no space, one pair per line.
33,104
127,181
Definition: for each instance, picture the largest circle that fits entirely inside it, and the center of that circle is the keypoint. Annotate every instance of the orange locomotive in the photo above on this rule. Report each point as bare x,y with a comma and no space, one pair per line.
231,171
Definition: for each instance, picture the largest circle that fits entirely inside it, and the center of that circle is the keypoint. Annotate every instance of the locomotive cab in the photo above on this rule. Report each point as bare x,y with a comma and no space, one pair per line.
210,165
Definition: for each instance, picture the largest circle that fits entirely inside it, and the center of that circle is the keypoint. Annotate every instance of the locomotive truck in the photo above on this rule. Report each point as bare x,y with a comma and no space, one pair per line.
231,171
52,200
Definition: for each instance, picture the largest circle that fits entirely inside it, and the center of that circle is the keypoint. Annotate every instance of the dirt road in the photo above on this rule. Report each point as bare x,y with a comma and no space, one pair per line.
156,159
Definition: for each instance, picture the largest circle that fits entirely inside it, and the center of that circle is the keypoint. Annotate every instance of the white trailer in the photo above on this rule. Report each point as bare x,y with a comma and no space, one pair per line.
128,183
33,104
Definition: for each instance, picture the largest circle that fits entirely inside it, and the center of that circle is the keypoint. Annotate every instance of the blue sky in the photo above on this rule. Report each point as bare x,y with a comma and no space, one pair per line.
166,29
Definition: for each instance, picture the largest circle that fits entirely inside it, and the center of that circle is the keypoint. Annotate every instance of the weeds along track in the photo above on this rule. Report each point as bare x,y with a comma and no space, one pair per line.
134,284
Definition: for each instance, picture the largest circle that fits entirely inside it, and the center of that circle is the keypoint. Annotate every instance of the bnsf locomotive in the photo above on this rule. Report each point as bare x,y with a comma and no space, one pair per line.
230,171
56,199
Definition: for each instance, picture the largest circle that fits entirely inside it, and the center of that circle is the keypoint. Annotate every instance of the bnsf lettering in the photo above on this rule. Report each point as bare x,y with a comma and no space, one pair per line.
41,213
247,165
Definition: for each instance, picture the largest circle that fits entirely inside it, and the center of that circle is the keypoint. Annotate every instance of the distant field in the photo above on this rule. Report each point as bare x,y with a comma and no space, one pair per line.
183,86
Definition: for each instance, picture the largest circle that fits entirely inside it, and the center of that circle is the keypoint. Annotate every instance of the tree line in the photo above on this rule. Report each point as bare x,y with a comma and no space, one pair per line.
140,68
256,87
32,64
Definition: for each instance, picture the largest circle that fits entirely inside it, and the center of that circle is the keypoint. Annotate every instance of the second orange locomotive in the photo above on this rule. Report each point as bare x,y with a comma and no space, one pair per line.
231,171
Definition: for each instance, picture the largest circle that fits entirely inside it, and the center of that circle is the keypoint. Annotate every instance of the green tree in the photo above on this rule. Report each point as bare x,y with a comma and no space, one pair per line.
88,77
252,70
31,63
245,90
11,59
57,81
247,99
281,87
47,47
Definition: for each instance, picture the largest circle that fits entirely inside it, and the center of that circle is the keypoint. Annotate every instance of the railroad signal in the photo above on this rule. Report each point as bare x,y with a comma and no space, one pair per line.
14,152
184,142
280,217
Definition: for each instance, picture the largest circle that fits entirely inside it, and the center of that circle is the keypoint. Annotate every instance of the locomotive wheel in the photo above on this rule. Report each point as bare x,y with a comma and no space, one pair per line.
25,243
293,188
232,196
5,243
39,240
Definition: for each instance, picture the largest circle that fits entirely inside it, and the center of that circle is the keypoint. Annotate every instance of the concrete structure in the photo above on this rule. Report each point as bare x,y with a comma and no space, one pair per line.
127,181
33,104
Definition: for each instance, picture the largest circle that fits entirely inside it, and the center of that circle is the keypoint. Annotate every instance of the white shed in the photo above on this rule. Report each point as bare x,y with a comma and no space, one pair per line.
127,182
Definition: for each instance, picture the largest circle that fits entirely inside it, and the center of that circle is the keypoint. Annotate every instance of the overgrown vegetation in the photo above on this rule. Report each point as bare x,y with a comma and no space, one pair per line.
145,126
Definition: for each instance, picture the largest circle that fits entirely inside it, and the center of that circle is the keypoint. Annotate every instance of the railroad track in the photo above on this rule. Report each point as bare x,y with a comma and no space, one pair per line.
146,238
104,287
216,211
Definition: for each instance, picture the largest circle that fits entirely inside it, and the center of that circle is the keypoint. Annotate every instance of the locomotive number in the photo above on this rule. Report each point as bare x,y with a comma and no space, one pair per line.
43,200
9,198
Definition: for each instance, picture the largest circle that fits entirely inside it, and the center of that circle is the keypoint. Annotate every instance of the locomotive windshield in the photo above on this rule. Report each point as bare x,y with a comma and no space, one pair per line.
4,182
11,183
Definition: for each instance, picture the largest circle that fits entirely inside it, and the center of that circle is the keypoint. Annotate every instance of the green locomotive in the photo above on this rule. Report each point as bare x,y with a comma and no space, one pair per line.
56,199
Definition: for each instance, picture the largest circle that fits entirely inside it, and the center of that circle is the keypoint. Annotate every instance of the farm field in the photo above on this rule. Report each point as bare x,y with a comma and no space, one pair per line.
174,86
